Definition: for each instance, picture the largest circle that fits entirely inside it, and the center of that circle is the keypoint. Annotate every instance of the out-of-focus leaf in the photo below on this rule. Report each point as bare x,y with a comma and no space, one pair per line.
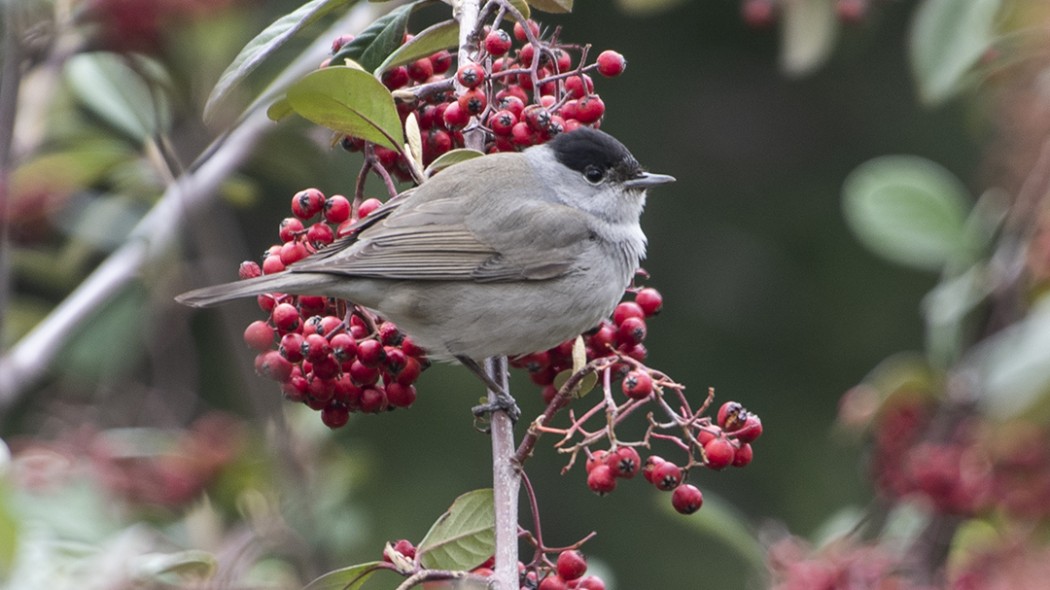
430,40
279,110
350,101
347,578
102,222
647,7
9,526
451,158
111,342
946,308
908,210
264,44
1015,365
552,5
808,29
59,174
462,537
372,46
840,524
947,39
115,92
718,519
183,565
522,6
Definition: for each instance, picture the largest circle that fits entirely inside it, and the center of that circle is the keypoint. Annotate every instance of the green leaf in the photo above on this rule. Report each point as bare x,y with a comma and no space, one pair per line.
350,101
947,39
427,42
347,578
1015,366
263,45
280,109
552,5
462,537
585,385
523,8
110,88
908,210
807,35
451,158
183,565
373,45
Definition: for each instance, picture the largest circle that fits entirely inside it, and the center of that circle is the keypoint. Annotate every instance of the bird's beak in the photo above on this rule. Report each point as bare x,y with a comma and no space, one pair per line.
646,180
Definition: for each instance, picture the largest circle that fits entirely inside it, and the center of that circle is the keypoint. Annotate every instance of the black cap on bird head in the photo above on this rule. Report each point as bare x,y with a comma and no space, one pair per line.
598,155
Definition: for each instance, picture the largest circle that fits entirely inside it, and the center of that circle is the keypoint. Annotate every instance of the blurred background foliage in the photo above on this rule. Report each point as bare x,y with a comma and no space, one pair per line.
148,454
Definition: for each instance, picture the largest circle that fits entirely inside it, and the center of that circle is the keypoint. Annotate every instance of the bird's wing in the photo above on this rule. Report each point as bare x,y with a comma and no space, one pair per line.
449,240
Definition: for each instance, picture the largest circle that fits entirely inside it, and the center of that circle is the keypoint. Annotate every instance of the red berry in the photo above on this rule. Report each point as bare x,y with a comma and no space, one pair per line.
552,583
293,252
272,264
410,372
289,229
627,309
562,60
579,86
249,269
271,364
589,109
687,499
758,14
315,347
502,122
373,400
441,61
601,479
473,101
471,75
371,352
595,459
637,384
590,583
340,42
396,359
401,396
307,203
707,434
525,55
650,301
421,69
624,462
512,103
718,453
742,457
259,335
632,331
519,31
522,135
362,374
291,347
367,206
611,64
336,209
497,42
731,415
455,117
750,430
851,11
571,565
285,317
537,117
395,78
648,469
666,476
335,415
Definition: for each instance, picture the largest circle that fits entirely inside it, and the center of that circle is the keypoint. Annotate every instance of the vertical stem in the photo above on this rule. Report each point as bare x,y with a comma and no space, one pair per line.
506,482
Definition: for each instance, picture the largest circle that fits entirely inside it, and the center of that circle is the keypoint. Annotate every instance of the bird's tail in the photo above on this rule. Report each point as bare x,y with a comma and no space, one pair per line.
276,283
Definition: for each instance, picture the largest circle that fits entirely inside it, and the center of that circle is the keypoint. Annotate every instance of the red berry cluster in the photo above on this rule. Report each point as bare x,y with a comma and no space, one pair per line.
520,96
724,444
623,335
761,14
331,356
568,574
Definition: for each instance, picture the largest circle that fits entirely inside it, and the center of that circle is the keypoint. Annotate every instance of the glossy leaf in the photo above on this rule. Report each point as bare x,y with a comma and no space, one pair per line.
552,5
373,45
280,109
110,88
451,158
908,210
264,44
350,101
462,537
347,578
808,32
427,42
1015,366
947,39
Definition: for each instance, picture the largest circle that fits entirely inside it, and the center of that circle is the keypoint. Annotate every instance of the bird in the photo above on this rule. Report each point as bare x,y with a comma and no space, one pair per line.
500,255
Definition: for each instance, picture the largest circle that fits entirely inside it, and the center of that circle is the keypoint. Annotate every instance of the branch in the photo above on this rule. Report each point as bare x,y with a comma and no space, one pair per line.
159,230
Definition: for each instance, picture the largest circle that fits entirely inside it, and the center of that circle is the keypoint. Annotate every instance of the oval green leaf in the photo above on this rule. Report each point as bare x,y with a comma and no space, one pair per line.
908,210
807,35
106,85
947,39
372,45
427,42
556,6
462,537
350,101
280,109
263,45
521,6
347,578
451,158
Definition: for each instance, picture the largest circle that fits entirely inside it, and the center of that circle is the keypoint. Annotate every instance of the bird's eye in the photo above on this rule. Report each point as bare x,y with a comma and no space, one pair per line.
593,174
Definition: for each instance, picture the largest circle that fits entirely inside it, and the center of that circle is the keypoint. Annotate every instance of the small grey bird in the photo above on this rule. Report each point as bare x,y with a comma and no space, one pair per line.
504,254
